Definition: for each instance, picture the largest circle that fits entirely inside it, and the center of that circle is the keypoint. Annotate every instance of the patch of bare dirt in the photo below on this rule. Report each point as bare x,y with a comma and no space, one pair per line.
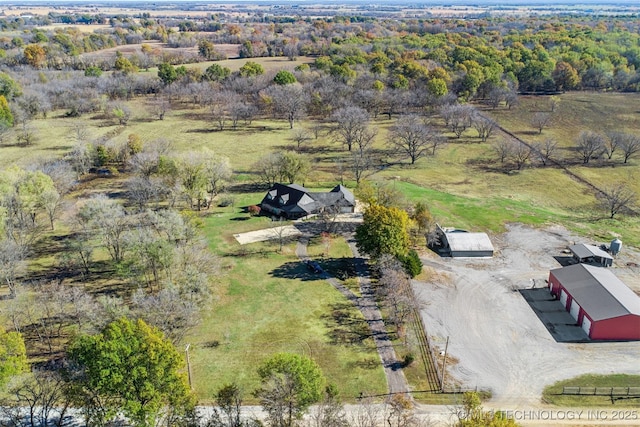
499,341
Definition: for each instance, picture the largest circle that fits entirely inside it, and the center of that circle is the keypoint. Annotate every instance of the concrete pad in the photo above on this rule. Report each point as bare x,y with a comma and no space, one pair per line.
274,233
553,315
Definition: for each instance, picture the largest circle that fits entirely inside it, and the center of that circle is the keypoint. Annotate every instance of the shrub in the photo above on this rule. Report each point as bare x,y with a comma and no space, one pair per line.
253,210
408,359
411,263
225,201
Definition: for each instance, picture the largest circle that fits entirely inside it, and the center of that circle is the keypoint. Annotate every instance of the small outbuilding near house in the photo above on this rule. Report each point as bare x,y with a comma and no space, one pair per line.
600,302
591,254
461,243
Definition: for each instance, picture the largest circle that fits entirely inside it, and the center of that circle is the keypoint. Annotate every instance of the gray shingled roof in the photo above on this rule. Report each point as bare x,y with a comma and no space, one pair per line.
598,291
585,251
295,199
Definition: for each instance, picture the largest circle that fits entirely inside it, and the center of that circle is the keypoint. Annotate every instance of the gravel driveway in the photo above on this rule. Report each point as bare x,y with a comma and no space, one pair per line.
496,340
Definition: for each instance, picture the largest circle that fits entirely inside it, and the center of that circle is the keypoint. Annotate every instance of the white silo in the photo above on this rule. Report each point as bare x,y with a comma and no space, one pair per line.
616,246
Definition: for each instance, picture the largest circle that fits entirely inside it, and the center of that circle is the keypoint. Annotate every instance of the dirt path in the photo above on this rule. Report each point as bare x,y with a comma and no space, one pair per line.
366,303
369,308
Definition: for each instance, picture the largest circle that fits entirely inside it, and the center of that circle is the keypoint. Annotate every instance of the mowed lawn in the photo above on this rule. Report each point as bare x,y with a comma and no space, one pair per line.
267,302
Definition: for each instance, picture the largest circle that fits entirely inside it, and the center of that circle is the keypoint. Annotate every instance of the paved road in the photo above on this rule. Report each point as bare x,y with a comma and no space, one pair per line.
366,303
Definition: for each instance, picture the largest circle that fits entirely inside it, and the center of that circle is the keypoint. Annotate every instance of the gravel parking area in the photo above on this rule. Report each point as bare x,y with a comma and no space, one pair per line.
496,339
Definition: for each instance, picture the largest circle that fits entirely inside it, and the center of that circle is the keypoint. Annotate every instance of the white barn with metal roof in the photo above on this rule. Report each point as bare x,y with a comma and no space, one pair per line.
461,243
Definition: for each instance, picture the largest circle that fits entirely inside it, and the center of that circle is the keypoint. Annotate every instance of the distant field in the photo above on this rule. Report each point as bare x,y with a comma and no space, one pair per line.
268,63
89,28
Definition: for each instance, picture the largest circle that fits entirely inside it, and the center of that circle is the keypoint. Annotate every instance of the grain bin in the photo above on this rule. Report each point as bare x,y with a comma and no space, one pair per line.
616,246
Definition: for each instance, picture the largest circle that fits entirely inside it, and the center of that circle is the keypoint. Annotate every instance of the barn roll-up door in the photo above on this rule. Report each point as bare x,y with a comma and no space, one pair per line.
563,298
586,325
574,310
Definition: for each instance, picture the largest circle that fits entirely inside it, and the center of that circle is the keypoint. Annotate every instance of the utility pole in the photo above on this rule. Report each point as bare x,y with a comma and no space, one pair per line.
444,365
186,350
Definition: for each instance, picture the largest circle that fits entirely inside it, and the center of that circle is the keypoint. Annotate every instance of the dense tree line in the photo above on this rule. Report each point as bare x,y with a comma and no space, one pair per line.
473,58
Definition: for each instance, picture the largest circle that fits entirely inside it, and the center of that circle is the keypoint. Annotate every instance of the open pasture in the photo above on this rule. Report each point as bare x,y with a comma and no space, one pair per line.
465,169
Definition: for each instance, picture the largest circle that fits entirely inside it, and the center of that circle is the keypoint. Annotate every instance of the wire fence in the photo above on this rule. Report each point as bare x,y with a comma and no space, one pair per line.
602,391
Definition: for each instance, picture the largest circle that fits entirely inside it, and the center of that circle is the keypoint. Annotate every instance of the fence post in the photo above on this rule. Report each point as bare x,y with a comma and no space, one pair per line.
444,364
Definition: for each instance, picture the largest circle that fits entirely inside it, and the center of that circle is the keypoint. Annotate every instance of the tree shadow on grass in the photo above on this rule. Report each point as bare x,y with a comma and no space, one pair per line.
295,270
345,324
340,268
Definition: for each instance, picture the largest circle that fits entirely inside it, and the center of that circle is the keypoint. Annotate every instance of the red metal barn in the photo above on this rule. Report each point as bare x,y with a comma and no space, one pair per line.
604,306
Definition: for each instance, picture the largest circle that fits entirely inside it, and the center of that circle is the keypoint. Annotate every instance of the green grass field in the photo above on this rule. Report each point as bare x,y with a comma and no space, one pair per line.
268,302
553,394
264,301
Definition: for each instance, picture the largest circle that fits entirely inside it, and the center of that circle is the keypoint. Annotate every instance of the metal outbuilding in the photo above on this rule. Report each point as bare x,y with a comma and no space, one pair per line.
461,243
591,254
600,302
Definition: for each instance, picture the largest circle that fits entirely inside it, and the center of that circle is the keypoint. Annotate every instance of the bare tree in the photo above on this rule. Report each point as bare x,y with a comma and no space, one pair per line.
61,173
361,164
520,153
399,301
26,134
300,136
167,310
495,97
279,233
484,126
106,218
41,400
289,101
52,203
612,142
545,150
630,146
160,107
589,145
328,413
511,98
352,127
12,264
267,169
616,199
400,412
540,121
217,170
4,130
367,413
411,136
457,117
78,254
81,157
502,148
